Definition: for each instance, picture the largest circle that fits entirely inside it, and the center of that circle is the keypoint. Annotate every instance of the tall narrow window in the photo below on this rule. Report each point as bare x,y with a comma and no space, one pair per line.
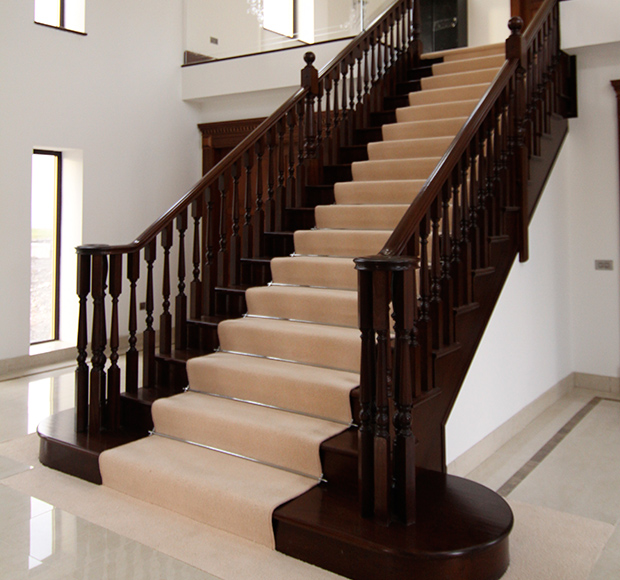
65,14
278,16
45,245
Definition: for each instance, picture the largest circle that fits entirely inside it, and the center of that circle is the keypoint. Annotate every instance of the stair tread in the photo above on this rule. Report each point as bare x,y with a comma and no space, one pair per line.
330,272
262,433
317,344
223,491
342,243
327,306
315,390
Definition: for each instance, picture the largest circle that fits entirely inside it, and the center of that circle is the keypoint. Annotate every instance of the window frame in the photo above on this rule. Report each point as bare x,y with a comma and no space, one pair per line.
56,246
61,20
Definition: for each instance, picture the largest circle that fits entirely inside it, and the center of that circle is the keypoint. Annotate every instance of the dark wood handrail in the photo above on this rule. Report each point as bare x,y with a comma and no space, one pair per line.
236,154
397,242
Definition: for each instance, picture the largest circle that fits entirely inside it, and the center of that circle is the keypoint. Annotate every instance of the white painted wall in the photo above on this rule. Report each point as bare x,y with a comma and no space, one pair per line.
594,213
113,98
526,348
487,21
589,22
556,311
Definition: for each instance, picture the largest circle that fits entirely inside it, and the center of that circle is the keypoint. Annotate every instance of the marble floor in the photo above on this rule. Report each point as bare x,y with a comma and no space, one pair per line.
565,460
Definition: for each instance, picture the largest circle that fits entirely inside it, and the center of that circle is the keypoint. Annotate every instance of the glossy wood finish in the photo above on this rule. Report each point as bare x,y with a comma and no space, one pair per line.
461,531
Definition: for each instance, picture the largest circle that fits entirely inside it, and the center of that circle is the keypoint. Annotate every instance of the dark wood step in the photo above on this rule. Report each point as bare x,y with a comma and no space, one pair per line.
368,135
319,194
406,87
337,173
380,118
353,153
461,531
421,72
299,218
77,454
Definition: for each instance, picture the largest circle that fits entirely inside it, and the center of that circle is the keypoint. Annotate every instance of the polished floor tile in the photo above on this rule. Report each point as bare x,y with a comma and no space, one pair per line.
572,469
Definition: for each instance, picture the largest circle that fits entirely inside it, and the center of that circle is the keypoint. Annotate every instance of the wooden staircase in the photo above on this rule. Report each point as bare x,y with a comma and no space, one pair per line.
385,506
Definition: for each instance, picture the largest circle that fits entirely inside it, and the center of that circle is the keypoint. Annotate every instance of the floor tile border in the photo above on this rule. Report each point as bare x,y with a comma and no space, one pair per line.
548,447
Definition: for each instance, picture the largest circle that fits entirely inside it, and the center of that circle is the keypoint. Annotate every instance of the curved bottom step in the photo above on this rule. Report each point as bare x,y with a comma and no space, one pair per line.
461,532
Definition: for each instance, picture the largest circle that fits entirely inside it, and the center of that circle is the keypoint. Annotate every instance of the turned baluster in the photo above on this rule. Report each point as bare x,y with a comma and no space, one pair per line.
465,227
498,186
98,343
425,325
291,186
165,318
435,272
114,372
132,356
375,96
149,368
338,119
447,286
455,226
300,175
222,262
353,125
235,240
81,372
327,142
271,178
258,226
246,238
360,112
180,302
195,286
210,241
278,223
344,113
404,302
367,83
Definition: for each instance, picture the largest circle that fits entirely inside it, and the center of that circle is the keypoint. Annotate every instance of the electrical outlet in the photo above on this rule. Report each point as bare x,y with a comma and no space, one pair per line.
215,40
603,264
142,305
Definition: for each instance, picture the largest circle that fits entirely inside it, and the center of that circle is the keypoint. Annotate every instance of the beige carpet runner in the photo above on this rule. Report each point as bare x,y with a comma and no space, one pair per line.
245,438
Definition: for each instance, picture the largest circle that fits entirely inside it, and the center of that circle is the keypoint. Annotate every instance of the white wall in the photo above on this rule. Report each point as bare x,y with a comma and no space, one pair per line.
594,213
487,21
589,22
526,348
113,98
557,312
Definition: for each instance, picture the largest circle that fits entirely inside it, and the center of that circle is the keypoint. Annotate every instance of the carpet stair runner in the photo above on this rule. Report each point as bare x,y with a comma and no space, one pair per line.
245,438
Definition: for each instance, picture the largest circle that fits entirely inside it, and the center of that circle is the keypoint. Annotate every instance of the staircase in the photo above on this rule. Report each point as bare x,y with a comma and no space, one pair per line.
296,434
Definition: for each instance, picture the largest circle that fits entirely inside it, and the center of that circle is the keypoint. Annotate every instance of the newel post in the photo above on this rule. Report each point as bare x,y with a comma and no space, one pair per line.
516,49
310,82
386,470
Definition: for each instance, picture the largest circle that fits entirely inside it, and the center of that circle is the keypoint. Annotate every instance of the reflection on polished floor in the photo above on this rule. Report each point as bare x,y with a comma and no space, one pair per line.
565,460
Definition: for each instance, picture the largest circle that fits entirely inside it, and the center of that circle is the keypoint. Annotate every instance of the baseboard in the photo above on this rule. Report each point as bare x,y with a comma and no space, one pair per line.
598,383
482,450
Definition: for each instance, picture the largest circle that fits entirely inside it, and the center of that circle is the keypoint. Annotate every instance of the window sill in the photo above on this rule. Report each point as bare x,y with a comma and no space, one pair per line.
80,33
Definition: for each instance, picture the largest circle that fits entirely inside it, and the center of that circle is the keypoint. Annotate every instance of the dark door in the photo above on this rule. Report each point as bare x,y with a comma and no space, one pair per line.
444,24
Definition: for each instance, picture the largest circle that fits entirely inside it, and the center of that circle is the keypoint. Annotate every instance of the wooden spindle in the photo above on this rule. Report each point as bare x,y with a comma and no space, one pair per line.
291,186
435,272
149,366
98,344
165,318
424,326
114,372
258,222
222,254
132,356
81,372
195,286
278,224
447,285
180,302
235,239
271,178
246,238
210,232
